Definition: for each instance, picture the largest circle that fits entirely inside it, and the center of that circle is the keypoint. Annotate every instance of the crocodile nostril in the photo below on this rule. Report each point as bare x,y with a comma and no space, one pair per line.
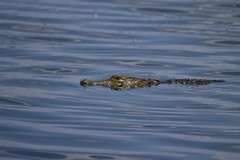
84,83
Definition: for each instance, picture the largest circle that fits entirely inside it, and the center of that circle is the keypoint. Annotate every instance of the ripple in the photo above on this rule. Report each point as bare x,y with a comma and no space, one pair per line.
223,42
32,28
200,31
12,101
37,154
56,70
229,42
26,154
237,73
101,157
158,10
229,5
140,63
50,39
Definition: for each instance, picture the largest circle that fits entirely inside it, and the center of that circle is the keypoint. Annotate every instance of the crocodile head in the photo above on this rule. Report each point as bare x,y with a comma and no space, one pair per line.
118,82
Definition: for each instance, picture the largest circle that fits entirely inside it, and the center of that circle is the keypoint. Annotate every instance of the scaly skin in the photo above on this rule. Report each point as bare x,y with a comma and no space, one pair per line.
118,82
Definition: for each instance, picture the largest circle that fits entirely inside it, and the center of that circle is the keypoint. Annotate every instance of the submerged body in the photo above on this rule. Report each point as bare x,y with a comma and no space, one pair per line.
119,82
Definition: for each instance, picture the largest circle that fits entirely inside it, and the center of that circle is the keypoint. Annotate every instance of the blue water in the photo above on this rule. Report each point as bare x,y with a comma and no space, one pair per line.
48,46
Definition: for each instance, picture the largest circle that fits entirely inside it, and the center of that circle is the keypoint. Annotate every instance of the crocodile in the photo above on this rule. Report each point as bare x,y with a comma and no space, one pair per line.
119,82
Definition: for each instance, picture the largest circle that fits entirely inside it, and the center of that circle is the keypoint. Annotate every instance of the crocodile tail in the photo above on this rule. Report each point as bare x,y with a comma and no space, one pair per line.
192,81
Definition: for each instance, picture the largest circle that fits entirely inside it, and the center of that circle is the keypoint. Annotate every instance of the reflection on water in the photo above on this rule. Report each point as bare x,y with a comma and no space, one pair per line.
66,156
47,47
55,70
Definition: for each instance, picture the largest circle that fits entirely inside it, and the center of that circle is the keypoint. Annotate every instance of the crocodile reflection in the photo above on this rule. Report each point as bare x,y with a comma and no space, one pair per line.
119,82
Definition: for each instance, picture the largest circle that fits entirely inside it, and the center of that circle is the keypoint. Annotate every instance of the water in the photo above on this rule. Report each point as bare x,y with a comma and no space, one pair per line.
48,46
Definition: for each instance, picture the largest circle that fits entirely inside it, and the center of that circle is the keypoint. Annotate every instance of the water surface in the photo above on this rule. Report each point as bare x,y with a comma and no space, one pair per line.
48,46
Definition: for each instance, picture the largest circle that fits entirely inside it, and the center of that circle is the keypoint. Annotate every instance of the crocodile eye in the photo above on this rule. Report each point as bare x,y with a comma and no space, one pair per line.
116,77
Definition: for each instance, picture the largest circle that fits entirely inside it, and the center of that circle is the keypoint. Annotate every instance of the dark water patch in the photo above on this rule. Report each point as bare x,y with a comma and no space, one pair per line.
6,64
211,134
13,101
37,154
229,5
237,73
223,42
51,39
22,20
101,157
159,10
223,6
230,42
237,16
27,154
218,22
104,35
200,31
31,28
235,147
